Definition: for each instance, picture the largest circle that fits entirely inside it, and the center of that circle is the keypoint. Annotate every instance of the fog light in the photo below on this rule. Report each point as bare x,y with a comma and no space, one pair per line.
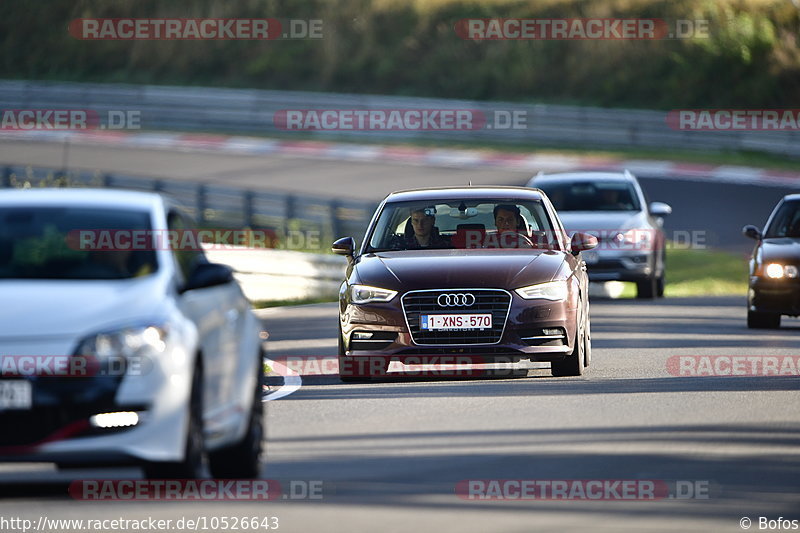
551,331
362,335
115,420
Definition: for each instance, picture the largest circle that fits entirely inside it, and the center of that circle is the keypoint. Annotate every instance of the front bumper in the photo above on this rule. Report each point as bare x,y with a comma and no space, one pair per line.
520,335
616,265
774,296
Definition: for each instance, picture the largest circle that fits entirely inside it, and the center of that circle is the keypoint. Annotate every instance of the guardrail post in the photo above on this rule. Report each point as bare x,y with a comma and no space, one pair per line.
336,225
108,180
201,203
158,185
5,181
247,198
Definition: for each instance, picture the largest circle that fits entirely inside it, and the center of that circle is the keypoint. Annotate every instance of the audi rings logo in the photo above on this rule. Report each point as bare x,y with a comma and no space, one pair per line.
456,300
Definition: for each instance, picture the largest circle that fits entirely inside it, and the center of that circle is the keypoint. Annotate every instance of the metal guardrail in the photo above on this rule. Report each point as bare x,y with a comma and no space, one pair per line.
252,111
299,222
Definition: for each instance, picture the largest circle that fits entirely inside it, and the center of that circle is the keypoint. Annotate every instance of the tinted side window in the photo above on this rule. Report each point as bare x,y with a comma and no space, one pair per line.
186,257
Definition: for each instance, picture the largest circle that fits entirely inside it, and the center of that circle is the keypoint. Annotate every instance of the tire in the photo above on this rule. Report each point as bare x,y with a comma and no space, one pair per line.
243,459
574,363
660,286
756,320
587,345
194,457
646,288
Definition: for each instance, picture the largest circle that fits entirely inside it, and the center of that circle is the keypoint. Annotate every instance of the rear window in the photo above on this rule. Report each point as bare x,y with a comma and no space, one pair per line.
592,196
35,243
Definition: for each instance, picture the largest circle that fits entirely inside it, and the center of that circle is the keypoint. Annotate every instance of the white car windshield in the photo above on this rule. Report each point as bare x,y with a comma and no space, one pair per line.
44,243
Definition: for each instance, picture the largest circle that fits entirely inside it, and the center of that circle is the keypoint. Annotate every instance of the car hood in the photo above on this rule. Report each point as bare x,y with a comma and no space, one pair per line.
781,249
431,269
602,220
36,310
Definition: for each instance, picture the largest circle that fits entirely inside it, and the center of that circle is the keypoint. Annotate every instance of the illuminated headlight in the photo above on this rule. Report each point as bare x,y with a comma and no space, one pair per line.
552,290
127,343
635,237
777,271
363,294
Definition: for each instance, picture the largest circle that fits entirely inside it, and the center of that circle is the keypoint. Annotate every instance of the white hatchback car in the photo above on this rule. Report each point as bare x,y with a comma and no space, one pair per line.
172,345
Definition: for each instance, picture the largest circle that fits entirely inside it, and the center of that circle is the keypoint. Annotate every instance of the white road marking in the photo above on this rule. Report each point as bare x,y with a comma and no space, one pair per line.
291,381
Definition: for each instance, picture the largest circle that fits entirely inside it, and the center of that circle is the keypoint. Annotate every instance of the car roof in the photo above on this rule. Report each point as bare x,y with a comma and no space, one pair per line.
585,176
52,196
477,192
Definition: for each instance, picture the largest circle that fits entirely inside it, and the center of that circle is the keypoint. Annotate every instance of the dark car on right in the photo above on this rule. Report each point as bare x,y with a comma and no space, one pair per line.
774,288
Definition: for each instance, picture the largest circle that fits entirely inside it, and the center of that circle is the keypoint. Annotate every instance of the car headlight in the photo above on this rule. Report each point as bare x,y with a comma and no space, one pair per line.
638,238
115,350
552,290
777,271
364,294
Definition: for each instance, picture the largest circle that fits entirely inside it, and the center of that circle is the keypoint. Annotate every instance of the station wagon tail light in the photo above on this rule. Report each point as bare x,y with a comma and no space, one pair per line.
552,290
778,271
363,294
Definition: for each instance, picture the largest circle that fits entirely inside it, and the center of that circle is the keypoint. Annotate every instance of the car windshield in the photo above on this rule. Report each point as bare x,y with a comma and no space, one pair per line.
42,243
463,224
786,222
592,195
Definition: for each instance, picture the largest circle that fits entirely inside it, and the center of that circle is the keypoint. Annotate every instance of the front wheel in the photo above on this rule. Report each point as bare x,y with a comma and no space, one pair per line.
243,459
646,288
758,320
574,363
194,456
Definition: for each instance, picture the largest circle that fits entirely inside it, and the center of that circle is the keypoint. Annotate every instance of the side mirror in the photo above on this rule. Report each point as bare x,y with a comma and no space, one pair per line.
660,209
581,242
752,232
206,275
345,246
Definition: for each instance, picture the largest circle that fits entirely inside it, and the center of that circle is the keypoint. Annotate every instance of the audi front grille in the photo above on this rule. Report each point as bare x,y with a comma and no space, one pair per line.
456,301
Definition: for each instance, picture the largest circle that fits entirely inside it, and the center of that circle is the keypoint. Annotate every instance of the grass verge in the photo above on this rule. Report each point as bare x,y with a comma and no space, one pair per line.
701,273
263,304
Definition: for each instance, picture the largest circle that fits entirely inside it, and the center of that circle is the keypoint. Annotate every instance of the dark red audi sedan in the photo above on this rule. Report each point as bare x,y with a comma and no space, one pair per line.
473,274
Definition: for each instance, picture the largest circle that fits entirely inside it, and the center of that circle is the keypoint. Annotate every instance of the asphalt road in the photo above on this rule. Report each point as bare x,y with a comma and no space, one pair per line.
388,456
715,212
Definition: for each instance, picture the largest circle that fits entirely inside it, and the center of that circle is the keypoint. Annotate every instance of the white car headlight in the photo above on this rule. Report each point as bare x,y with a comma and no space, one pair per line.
777,271
637,238
115,351
552,290
363,294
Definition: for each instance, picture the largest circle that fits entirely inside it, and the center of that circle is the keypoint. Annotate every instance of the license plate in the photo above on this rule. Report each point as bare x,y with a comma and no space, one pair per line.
590,257
16,394
471,321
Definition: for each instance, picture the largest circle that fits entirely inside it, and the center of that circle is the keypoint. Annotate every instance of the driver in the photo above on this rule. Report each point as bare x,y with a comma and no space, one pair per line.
423,232
510,227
